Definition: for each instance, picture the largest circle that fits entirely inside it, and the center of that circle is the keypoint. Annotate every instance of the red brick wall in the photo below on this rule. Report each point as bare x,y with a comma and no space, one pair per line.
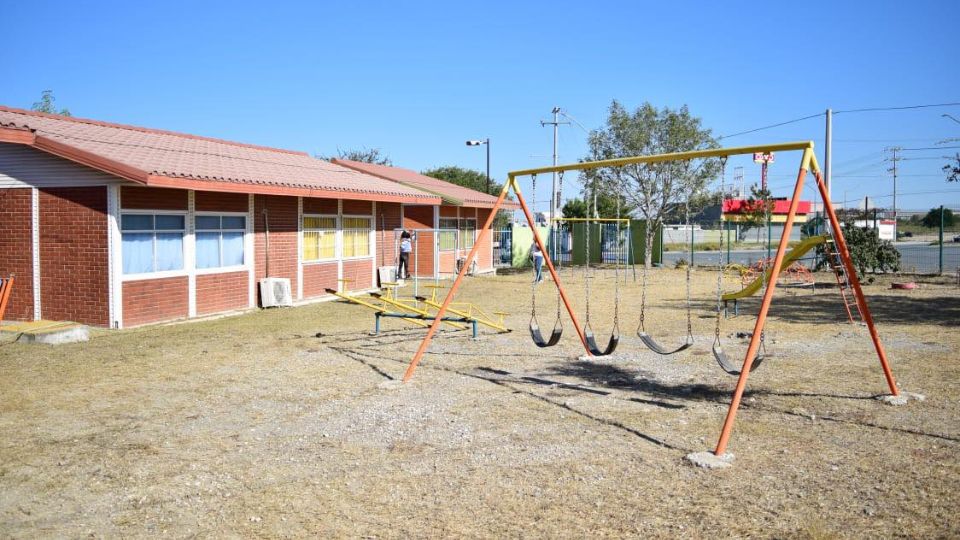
74,271
222,292
448,211
317,277
211,201
283,238
16,250
359,272
319,206
362,208
154,300
145,198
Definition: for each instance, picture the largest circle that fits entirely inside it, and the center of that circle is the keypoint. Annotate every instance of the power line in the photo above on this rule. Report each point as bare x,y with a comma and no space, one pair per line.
931,148
873,109
795,120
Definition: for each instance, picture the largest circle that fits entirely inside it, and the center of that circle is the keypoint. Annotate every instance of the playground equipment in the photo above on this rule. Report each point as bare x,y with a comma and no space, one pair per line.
589,338
369,305
808,163
796,253
535,333
646,338
6,287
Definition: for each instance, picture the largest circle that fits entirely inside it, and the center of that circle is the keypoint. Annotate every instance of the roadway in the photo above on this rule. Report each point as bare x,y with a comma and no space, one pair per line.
914,256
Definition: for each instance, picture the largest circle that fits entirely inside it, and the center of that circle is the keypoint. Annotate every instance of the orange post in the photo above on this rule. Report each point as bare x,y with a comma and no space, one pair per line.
6,288
764,308
841,243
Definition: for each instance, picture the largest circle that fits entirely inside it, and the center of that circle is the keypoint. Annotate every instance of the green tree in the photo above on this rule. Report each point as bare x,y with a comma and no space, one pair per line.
47,104
756,208
932,219
606,207
476,181
652,188
364,155
953,171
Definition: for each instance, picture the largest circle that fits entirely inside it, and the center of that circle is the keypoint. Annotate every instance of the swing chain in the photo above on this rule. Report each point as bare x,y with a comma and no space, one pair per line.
723,176
616,264
689,269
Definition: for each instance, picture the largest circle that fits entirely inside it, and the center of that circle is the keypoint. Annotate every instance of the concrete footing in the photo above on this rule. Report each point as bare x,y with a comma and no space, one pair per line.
709,460
902,399
47,332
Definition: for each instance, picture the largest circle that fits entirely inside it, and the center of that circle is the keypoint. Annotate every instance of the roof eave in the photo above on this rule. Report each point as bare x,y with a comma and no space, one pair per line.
268,189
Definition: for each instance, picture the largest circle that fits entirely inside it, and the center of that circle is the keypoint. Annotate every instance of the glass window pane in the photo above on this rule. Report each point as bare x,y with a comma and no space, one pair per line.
169,251
170,223
208,249
208,222
327,248
232,248
319,223
234,222
137,253
136,222
310,249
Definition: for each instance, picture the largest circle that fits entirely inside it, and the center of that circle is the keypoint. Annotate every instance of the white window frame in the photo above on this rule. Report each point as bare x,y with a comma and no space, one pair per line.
446,230
462,231
221,269
370,237
185,271
336,238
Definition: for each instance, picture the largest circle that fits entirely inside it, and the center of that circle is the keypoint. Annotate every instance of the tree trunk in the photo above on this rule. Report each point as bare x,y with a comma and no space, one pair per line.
650,233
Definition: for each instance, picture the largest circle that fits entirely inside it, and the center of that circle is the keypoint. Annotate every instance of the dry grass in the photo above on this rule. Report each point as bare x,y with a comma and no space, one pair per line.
253,426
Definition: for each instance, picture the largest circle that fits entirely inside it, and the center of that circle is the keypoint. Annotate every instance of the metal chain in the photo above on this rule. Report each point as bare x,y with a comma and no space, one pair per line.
689,269
586,274
723,176
616,266
556,240
533,286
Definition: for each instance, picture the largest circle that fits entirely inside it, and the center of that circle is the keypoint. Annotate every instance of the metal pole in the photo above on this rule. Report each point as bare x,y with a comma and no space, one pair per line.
828,152
488,165
941,239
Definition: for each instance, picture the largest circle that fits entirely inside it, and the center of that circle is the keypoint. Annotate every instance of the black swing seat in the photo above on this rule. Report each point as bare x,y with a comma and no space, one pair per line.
537,335
595,350
652,344
727,365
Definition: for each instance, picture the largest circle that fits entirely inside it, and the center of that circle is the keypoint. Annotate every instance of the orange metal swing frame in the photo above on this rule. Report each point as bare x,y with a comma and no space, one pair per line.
808,164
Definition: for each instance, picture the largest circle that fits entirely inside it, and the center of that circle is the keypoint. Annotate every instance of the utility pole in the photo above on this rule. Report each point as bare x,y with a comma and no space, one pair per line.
895,150
554,196
828,153
738,182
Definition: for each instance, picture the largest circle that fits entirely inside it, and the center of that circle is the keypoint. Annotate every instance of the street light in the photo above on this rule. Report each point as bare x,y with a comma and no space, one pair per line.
945,115
487,143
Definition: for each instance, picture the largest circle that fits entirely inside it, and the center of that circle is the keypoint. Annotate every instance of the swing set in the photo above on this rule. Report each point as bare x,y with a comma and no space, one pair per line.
754,353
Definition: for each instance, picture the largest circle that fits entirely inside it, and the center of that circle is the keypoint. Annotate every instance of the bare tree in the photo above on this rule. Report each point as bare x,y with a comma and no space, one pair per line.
654,189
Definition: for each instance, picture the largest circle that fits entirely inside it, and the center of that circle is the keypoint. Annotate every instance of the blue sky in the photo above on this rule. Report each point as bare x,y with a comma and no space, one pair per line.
416,79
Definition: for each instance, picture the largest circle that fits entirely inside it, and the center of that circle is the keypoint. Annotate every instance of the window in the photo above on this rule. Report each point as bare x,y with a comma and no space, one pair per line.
220,241
319,238
152,242
356,236
468,228
448,234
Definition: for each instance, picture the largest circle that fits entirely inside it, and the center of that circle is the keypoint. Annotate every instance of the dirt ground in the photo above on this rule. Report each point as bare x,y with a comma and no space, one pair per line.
252,426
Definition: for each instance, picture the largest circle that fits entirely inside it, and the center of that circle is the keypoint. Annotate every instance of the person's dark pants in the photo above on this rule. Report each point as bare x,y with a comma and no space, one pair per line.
404,265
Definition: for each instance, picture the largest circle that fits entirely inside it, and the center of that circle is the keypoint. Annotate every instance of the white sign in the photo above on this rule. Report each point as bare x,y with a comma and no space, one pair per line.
762,157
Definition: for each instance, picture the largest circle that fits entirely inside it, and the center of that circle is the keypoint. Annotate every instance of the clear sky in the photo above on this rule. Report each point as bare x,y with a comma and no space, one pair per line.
417,79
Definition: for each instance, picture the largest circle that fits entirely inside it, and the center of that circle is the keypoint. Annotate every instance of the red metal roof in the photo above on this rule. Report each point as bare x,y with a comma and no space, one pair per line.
157,157
451,193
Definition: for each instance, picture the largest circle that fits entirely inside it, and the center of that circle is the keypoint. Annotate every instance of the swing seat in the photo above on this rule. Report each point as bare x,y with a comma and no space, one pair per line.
727,365
537,335
595,350
652,344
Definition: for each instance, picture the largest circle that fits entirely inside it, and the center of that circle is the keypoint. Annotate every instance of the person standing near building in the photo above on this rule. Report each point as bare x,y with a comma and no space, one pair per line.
406,246
537,257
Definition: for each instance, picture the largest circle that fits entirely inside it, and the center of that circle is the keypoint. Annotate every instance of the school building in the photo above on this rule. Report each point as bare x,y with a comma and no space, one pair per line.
118,226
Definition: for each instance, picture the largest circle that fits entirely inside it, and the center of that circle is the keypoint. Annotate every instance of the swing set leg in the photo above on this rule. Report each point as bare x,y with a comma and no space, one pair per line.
809,161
